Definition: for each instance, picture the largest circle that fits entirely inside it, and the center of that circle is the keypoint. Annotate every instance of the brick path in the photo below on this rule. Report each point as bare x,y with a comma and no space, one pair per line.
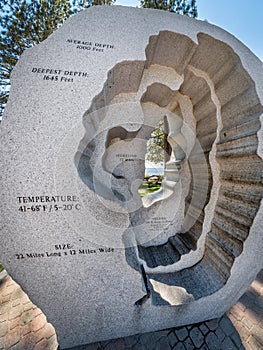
24,327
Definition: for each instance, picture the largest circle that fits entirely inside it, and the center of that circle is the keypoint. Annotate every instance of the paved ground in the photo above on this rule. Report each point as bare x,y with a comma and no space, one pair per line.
24,327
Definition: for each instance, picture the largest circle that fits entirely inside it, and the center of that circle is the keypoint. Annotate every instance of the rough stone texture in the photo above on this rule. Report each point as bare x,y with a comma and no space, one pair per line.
82,106
234,334
20,333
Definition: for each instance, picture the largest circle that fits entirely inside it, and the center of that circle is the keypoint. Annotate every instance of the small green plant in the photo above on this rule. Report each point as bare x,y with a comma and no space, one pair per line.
146,188
1,267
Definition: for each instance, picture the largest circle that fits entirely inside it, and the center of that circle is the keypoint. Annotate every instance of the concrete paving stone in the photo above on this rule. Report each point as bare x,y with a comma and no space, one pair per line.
203,329
247,323
93,347
233,320
243,332
159,346
247,300
236,312
52,343
155,337
258,332
38,322
25,299
150,346
197,337
255,343
15,347
26,317
212,324
8,290
26,329
145,338
132,340
251,292
16,302
204,347
163,343
17,293
220,334
241,306
179,346
259,302
212,341
110,346
226,326
15,312
257,285
139,347
258,310
14,323
37,311
228,344
6,299
28,306
119,344
188,344
3,328
3,317
163,333
48,330
253,316
237,340
181,333
248,347
2,343
9,281
39,335
42,345
4,308
172,339
12,337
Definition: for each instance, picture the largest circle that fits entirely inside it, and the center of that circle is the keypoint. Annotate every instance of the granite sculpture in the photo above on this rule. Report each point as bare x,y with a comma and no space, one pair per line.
100,261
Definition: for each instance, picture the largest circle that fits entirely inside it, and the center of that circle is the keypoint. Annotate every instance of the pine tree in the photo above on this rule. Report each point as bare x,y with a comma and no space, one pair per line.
184,7
25,23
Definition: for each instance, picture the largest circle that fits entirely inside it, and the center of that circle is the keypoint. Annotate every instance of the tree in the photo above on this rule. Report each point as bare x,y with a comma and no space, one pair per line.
156,144
184,7
25,23
158,149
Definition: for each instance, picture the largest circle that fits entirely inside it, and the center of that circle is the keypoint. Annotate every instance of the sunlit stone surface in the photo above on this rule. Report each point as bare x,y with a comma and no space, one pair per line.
100,261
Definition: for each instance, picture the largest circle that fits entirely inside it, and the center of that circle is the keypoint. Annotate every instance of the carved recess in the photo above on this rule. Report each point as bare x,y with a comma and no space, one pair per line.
204,85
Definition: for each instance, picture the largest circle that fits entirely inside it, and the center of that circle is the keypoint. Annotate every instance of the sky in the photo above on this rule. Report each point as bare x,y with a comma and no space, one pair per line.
242,18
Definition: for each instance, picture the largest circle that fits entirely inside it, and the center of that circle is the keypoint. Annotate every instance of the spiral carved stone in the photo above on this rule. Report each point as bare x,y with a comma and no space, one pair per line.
100,261
225,110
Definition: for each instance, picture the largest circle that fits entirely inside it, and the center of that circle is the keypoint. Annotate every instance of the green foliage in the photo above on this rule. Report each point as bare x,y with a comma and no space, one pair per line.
184,7
24,23
157,148
156,144
146,189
